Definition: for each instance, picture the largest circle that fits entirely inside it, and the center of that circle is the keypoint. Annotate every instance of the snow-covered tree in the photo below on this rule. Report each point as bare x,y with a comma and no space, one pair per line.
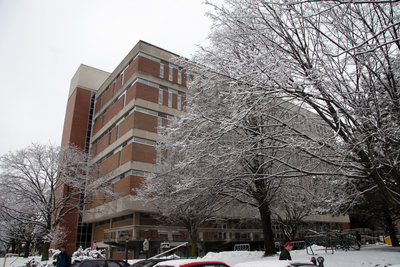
338,59
310,196
241,143
178,201
51,179
18,219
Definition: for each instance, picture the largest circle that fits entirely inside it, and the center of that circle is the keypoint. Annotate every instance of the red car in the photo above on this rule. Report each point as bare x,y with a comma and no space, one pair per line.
191,263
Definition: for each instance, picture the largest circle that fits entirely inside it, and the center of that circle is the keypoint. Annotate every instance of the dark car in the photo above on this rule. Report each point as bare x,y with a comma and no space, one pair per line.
314,262
101,263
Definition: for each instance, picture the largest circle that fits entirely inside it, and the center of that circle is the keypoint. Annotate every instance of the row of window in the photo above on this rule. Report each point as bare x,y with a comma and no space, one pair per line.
122,72
128,173
115,219
149,83
160,116
162,64
133,139
171,92
171,71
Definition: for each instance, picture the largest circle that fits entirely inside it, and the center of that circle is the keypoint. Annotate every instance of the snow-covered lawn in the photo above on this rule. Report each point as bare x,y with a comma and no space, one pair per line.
372,255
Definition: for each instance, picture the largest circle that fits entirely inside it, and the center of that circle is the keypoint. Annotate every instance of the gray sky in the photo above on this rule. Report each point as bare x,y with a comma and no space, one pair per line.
43,42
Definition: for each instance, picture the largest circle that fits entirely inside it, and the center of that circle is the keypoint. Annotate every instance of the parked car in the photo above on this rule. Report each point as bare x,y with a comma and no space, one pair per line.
100,263
319,262
314,262
148,262
191,263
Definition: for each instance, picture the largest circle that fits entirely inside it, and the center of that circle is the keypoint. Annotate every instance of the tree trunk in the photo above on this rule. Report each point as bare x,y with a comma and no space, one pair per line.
45,251
46,244
27,248
265,215
390,227
193,242
13,246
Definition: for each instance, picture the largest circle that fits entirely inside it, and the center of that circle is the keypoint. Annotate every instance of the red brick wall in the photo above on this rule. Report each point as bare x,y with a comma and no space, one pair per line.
70,222
76,118
142,91
126,222
136,182
149,66
126,154
97,106
174,101
99,232
113,135
144,153
132,68
118,84
109,164
145,122
102,143
97,126
118,255
138,152
146,92
344,226
126,124
165,98
124,187
107,95
74,133
131,93
113,110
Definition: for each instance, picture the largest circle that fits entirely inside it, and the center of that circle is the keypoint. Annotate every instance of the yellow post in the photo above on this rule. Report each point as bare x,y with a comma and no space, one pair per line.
388,241
5,258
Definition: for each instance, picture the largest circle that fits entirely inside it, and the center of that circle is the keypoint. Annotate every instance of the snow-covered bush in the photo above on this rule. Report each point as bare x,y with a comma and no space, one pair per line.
83,254
32,263
79,255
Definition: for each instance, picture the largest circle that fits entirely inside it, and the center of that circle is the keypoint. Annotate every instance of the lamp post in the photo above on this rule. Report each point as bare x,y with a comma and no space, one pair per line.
126,249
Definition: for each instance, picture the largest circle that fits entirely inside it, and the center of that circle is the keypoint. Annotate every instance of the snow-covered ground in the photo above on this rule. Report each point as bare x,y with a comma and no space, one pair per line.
371,255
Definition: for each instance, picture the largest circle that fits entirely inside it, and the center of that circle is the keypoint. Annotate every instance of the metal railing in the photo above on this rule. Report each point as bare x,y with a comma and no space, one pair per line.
169,250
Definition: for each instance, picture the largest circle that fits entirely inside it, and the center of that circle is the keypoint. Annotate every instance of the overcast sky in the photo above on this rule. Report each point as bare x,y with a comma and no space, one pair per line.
43,42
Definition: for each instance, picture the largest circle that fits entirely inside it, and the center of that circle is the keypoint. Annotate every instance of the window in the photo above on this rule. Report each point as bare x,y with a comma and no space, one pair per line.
161,70
160,96
159,122
179,102
169,99
158,157
144,141
171,71
179,76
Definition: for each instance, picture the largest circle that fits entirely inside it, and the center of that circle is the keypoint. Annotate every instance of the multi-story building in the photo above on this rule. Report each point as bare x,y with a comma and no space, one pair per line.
117,115
77,132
